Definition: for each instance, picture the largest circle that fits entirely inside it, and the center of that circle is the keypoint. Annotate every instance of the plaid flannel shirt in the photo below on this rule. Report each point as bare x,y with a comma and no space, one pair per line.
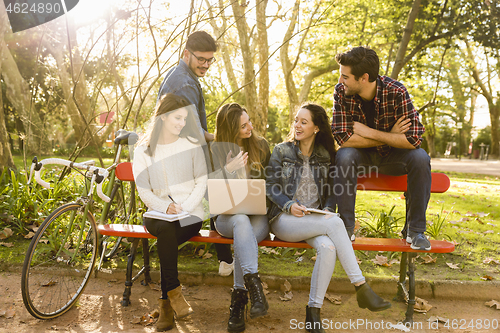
392,101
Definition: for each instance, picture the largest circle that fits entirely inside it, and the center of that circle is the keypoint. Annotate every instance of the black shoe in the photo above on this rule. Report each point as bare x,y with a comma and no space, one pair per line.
367,299
313,320
418,241
352,236
257,298
239,300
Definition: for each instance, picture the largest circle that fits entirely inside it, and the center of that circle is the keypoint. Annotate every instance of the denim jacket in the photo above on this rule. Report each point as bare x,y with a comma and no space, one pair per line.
284,173
181,81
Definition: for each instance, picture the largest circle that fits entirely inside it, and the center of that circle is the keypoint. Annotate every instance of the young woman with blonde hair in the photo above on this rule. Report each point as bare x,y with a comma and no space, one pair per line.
239,153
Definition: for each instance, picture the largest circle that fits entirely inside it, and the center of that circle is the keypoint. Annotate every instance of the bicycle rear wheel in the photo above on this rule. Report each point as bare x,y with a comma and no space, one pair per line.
59,261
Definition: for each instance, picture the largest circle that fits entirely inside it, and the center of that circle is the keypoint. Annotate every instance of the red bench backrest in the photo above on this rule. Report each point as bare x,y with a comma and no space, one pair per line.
124,172
373,182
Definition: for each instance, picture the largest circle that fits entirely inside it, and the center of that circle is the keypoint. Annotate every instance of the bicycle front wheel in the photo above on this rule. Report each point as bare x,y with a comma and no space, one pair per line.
59,261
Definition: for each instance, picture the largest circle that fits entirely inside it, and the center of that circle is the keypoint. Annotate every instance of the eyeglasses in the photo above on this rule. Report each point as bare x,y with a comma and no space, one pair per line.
202,60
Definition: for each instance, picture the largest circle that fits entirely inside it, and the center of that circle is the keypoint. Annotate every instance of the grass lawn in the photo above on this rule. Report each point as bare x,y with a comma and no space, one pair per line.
471,208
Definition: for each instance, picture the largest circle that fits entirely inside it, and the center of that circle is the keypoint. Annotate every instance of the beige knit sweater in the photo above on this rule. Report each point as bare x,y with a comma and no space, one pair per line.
177,169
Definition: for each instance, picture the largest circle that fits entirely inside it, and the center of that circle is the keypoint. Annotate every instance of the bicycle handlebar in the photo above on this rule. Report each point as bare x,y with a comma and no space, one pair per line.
38,166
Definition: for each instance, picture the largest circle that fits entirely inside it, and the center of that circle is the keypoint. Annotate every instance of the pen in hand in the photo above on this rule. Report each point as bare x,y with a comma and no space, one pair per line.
298,202
172,199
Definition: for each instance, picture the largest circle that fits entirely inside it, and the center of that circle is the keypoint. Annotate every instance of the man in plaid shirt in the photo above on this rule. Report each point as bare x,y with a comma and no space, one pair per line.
378,129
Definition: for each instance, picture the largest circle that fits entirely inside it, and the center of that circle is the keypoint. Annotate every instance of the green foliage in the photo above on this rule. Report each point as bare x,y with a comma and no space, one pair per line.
435,227
383,225
25,204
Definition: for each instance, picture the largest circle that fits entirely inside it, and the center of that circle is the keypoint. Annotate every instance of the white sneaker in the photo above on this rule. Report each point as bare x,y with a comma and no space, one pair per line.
226,269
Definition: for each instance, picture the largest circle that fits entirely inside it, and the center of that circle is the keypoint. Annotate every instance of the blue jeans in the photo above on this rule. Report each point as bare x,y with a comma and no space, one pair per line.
326,233
415,163
247,232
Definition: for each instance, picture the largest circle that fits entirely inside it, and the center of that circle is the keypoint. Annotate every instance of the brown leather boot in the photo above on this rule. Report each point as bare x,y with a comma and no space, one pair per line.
166,320
179,304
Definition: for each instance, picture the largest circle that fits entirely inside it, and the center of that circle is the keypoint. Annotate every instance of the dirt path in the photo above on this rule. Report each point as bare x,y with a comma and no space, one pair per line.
99,310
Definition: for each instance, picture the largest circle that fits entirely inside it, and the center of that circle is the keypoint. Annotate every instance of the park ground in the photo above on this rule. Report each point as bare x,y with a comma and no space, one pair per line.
99,309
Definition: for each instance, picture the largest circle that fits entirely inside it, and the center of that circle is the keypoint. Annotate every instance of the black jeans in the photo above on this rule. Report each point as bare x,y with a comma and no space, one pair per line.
170,235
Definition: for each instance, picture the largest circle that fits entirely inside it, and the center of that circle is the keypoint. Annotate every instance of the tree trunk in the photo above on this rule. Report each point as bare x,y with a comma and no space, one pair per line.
248,63
403,45
287,66
260,118
19,95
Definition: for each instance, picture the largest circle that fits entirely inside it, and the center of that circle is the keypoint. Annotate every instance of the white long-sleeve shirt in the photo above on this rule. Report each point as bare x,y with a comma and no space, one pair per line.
177,169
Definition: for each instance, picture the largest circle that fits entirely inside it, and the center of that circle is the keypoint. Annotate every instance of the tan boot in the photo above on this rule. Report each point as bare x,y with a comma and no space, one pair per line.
179,304
166,320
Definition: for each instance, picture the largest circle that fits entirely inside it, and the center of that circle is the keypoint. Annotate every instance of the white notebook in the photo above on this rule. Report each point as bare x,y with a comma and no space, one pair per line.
152,214
319,211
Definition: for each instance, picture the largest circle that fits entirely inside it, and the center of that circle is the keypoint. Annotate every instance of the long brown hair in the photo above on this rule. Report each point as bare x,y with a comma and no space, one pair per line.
168,103
324,137
227,130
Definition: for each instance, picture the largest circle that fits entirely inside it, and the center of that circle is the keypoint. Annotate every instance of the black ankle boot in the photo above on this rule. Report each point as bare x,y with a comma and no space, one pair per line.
313,320
368,299
239,300
257,298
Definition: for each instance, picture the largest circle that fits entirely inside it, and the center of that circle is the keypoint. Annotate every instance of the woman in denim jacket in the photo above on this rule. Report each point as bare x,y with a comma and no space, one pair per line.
239,153
300,176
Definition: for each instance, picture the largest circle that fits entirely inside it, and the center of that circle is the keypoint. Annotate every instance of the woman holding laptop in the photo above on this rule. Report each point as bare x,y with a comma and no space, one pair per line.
300,176
171,177
239,154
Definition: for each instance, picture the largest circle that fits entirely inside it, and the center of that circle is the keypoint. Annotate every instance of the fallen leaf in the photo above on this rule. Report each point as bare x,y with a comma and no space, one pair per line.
493,303
399,326
10,313
135,320
29,235
207,255
287,297
429,260
359,261
470,214
453,195
264,287
381,260
48,284
421,305
33,227
154,314
454,266
489,232
491,260
335,299
288,286
433,319
155,286
464,219
456,212
6,244
313,258
487,278
482,214
6,233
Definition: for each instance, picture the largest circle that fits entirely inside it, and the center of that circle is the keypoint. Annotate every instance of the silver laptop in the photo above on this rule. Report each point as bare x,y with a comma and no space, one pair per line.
237,196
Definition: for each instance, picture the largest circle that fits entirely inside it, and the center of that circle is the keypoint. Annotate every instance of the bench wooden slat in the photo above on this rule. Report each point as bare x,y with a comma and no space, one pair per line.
380,182
211,236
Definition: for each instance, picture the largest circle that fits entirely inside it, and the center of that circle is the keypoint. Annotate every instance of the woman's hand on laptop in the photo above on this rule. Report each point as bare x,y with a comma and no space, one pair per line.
174,208
236,163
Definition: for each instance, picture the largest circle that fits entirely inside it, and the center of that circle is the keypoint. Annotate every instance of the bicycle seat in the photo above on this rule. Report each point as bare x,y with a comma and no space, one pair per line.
124,137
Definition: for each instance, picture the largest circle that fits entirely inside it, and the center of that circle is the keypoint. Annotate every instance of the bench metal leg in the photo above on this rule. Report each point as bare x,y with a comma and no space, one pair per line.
146,267
411,282
402,294
128,280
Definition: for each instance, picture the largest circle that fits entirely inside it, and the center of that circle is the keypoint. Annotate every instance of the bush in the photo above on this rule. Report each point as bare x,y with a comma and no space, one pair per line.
23,204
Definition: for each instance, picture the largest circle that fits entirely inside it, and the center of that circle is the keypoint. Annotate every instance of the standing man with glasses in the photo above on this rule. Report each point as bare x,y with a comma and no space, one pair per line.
182,80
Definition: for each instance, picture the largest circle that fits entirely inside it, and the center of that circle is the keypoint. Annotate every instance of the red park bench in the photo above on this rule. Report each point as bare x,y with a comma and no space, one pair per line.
440,184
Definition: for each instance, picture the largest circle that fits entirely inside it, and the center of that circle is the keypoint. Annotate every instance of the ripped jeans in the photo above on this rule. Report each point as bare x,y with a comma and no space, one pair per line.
327,234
